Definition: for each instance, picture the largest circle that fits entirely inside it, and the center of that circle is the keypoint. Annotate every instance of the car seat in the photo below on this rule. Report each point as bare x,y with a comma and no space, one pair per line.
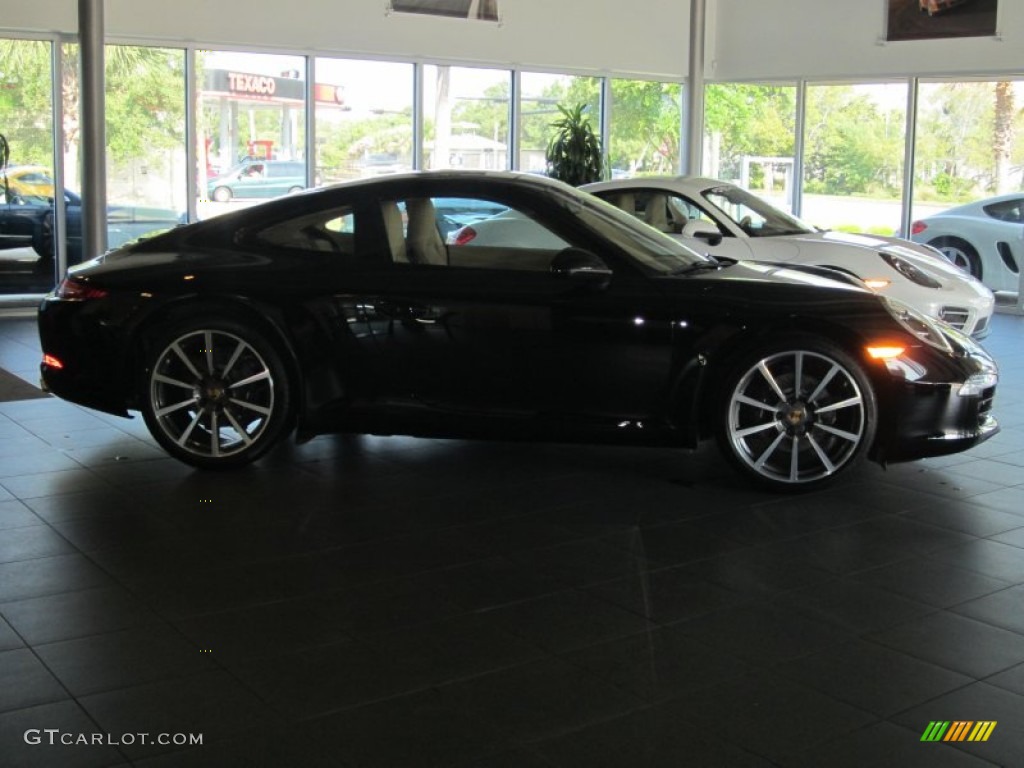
423,243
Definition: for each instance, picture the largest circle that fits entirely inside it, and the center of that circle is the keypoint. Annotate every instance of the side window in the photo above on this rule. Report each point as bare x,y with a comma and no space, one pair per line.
652,207
683,213
1007,210
331,231
467,232
749,220
663,210
252,171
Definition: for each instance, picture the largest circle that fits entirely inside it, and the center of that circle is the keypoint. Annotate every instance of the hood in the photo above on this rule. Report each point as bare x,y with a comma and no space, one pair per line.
869,246
761,291
761,274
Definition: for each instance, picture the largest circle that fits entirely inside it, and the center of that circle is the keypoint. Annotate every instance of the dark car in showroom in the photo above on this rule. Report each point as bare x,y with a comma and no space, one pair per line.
344,310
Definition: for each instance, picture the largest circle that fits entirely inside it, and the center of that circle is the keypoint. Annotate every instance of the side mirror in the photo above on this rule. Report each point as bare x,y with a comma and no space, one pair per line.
703,231
582,267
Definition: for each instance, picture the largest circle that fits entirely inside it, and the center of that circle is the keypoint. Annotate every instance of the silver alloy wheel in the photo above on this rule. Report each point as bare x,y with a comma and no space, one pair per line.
211,393
957,257
796,417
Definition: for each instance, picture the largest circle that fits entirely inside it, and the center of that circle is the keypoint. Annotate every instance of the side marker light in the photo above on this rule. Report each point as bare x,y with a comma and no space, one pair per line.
885,353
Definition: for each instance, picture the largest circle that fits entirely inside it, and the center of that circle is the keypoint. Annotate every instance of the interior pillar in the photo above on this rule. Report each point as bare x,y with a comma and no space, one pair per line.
93,128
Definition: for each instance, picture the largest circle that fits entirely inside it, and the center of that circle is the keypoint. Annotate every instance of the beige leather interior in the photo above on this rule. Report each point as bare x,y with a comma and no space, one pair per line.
423,243
624,200
656,212
394,229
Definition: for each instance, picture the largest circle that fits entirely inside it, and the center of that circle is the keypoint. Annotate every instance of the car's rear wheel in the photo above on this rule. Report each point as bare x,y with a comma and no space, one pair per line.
796,415
216,393
222,194
293,190
959,252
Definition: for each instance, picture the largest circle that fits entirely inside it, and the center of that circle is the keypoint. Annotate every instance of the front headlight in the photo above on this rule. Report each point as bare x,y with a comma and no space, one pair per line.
918,324
909,271
978,383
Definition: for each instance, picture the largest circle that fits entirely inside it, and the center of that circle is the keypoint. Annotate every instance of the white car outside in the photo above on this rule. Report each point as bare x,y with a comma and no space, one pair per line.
985,238
725,220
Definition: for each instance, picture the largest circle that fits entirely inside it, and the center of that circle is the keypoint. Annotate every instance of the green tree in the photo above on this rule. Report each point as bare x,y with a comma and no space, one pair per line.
742,119
145,103
954,147
141,109
645,126
25,100
487,116
1003,132
851,145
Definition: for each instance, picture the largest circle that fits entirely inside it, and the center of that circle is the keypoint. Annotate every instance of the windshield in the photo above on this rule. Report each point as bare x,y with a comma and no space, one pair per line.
655,252
753,215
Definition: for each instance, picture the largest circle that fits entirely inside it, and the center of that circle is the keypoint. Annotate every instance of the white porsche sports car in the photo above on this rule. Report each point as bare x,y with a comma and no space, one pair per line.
985,238
725,220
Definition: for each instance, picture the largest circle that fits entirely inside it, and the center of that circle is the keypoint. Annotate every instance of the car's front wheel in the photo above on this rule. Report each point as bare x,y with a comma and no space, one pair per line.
42,238
216,393
222,194
797,414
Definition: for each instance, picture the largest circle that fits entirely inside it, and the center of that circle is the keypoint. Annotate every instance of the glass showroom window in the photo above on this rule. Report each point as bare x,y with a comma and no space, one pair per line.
465,117
363,119
27,261
146,163
970,152
749,135
645,128
539,100
251,128
854,140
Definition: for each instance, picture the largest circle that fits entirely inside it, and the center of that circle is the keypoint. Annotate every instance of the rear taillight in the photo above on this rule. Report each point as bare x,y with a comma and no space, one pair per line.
464,235
78,290
918,227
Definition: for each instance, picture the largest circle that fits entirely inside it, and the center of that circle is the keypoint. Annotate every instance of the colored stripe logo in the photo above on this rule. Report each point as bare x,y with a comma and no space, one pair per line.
958,730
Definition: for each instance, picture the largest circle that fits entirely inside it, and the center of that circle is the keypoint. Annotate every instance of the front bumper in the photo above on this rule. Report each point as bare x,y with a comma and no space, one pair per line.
937,418
936,421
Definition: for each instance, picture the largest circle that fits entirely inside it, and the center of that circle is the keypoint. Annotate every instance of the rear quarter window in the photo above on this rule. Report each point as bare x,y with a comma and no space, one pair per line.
1007,210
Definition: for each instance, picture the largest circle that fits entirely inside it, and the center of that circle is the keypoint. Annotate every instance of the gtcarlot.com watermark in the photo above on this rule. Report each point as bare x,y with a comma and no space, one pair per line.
55,736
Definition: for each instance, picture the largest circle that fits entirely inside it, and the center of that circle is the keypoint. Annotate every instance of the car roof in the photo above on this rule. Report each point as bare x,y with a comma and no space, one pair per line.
429,176
976,206
685,183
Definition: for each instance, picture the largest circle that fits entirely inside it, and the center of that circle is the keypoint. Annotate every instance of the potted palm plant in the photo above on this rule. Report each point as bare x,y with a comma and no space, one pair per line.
574,153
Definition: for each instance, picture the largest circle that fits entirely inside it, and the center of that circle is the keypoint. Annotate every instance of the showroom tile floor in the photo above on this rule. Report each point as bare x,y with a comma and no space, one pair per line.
399,602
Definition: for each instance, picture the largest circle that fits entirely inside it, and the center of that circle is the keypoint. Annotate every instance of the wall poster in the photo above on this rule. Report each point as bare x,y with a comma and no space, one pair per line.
483,10
937,19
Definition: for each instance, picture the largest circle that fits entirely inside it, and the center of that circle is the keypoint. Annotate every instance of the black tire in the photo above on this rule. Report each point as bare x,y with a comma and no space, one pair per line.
796,414
960,253
293,190
42,238
222,194
215,393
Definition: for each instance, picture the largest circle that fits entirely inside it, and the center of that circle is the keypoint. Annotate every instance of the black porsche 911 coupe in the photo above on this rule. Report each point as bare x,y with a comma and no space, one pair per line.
346,309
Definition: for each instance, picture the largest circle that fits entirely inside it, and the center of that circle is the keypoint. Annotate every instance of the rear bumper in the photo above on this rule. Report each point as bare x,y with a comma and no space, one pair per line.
91,357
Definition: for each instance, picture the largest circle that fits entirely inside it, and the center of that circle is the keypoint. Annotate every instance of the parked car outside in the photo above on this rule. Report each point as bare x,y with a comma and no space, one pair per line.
728,221
258,179
27,221
29,180
984,238
331,311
